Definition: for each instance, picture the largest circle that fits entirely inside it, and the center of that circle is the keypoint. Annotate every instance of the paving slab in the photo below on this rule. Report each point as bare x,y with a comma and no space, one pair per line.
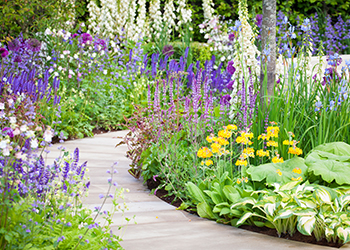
159,226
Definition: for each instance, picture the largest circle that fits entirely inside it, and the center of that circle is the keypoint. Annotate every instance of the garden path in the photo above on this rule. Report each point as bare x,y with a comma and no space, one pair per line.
159,225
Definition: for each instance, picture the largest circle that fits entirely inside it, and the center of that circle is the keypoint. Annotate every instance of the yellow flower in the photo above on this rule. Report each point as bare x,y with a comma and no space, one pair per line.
264,137
245,179
273,131
224,134
297,170
286,142
295,151
202,163
209,139
277,160
297,179
241,163
238,181
272,144
248,152
262,153
204,152
222,141
209,162
215,147
231,127
278,171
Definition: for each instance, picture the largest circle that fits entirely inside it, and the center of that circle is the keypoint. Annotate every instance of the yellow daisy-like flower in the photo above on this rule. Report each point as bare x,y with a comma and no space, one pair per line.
209,162
278,171
241,163
231,127
277,160
272,144
295,151
297,170
215,147
224,134
204,152
223,141
247,135
262,153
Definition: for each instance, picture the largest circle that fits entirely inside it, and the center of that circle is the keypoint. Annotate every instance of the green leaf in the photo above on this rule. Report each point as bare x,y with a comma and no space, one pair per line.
244,218
231,193
195,192
344,234
330,161
204,211
306,224
269,171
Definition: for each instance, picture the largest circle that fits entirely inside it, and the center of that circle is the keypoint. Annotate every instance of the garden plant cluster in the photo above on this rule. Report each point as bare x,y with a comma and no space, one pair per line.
199,126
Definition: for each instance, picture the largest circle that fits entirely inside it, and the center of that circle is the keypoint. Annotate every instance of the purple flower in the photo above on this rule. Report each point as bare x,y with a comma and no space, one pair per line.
230,68
101,43
3,52
34,45
101,196
69,224
17,59
168,50
8,131
258,19
230,85
231,37
60,239
225,99
86,37
74,35
14,45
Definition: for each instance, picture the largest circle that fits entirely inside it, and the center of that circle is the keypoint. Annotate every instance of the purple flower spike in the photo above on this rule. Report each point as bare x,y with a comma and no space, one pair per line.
3,52
230,68
258,19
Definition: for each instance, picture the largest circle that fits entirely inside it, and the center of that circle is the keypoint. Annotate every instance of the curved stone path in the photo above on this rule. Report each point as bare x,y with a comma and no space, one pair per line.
159,225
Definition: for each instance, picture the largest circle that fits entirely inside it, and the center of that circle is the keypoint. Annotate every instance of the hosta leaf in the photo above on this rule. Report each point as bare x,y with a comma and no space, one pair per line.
270,172
270,208
244,201
306,224
218,208
344,234
323,195
244,218
284,214
330,161
216,197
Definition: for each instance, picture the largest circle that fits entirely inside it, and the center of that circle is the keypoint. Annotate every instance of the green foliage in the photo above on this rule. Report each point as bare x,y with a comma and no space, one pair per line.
279,172
29,17
331,162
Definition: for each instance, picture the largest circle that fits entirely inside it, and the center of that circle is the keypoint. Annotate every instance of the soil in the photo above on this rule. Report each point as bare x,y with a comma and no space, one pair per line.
163,195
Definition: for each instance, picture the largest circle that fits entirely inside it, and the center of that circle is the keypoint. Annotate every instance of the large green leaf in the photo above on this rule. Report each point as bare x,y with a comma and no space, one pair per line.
330,161
205,211
231,193
269,171
195,192
306,224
